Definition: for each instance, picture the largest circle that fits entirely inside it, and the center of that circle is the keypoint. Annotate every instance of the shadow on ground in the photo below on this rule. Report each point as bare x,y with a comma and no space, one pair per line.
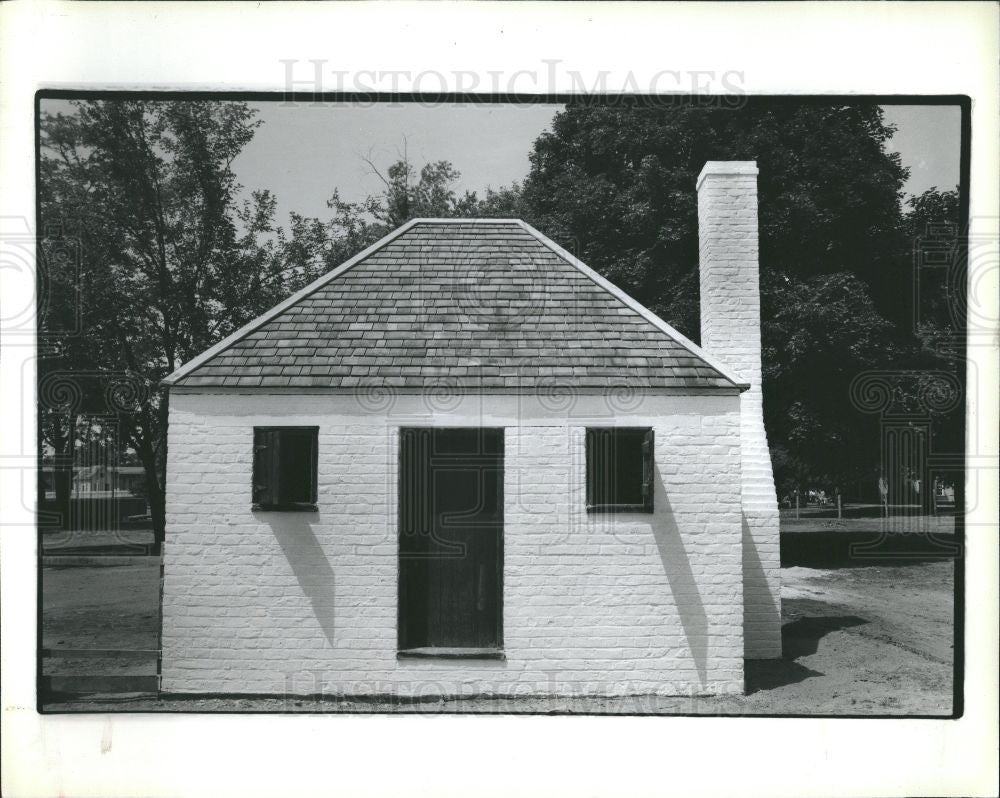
799,638
833,549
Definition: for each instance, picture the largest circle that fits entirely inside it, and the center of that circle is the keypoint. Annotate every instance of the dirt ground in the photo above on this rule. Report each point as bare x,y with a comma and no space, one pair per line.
869,639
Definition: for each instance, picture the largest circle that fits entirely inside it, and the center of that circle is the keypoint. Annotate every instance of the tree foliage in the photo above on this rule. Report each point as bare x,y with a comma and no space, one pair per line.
171,261
168,261
616,186
312,246
932,226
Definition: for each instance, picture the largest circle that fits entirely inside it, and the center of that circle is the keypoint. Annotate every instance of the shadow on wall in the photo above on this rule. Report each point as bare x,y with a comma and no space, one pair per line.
294,534
754,576
677,567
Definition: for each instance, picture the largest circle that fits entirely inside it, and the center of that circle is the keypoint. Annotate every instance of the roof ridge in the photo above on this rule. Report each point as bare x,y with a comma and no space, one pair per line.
466,220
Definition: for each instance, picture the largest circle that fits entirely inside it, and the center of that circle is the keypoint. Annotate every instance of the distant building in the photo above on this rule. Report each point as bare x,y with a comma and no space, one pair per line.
98,480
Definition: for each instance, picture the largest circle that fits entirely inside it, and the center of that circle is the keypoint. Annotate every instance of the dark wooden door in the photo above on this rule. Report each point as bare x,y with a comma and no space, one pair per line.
451,538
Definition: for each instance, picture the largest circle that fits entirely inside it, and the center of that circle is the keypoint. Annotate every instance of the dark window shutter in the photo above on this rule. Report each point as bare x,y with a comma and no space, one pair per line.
314,466
414,487
285,467
274,465
592,466
647,469
263,455
620,469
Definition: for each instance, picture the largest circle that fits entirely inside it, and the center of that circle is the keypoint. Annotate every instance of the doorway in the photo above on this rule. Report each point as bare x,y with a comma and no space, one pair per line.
451,541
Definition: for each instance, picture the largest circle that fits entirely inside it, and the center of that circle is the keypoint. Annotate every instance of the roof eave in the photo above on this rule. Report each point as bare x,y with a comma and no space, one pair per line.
660,390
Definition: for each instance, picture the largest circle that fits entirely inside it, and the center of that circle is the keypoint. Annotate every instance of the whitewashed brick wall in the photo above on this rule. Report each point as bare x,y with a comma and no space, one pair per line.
730,330
305,603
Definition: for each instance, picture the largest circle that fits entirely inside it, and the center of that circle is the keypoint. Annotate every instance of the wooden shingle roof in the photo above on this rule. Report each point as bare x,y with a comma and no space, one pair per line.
468,304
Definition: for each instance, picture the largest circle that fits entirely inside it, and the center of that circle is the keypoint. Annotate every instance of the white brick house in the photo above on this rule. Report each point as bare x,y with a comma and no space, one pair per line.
464,463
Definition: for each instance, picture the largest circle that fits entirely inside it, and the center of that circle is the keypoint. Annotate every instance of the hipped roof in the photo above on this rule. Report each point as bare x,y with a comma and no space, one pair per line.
466,304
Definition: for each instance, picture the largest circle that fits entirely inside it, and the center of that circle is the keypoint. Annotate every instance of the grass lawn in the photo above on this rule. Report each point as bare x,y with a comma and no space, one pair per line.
864,637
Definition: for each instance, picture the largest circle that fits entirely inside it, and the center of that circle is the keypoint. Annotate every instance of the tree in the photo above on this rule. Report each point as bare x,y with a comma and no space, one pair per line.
822,332
408,197
616,186
167,261
940,270
933,227
170,262
313,246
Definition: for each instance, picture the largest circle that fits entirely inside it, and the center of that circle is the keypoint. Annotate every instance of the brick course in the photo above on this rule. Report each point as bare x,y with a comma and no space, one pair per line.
303,603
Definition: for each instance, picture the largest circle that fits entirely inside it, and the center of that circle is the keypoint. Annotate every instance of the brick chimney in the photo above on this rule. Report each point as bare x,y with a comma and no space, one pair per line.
730,330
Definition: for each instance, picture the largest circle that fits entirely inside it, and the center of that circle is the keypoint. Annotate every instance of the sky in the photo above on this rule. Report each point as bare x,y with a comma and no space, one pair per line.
928,139
303,153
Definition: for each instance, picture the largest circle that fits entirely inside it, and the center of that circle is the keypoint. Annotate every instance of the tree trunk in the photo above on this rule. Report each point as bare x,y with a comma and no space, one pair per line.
63,479
155,494
40,488
149,441
157,510
926,489
62,471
